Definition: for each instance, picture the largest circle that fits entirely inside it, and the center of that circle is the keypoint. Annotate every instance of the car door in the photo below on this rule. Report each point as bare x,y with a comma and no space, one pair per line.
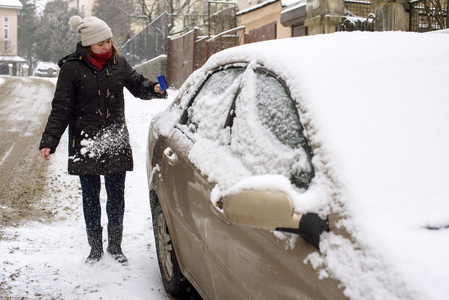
267,137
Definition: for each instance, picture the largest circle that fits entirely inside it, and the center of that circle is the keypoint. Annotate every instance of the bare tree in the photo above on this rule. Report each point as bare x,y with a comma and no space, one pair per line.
54,38
183,15
27,39
118,14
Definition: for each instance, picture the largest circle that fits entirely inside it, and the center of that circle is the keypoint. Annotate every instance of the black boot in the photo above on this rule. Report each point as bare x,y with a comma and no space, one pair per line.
95,239
115,234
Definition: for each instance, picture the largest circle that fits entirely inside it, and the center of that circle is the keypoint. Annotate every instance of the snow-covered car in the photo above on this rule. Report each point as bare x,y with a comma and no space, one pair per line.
307,168
46,69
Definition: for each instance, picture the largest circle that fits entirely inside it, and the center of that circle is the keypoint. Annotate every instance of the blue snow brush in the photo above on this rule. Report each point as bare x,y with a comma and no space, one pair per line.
162,83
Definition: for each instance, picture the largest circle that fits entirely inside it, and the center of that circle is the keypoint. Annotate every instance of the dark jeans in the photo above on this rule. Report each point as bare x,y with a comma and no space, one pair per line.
115,204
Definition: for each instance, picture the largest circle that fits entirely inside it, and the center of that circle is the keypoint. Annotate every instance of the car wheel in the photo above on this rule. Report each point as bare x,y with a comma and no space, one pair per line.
174,281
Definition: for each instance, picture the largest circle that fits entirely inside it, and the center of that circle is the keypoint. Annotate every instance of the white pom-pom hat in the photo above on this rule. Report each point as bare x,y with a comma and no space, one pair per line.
91,29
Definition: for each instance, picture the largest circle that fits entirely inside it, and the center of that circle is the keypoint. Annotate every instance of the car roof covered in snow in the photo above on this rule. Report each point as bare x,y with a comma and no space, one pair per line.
375,108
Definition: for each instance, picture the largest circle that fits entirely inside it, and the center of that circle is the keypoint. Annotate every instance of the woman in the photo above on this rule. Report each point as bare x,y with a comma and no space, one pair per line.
89,99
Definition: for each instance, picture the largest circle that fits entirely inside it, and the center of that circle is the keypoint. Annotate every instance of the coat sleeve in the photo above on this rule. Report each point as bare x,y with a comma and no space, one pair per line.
140,86
63,109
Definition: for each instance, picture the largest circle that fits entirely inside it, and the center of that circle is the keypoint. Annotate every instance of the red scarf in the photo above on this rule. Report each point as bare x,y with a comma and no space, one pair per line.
99,60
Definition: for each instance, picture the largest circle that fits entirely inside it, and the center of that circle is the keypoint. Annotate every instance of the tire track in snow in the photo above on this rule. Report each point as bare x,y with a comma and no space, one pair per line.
24,107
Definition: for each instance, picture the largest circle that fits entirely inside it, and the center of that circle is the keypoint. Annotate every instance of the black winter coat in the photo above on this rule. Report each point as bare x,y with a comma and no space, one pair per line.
91,103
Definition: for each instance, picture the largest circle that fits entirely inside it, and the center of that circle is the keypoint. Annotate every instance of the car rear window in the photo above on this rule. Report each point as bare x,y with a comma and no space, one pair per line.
277,111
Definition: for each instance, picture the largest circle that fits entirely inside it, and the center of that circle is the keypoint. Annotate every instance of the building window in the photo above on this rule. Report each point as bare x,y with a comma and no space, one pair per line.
6,33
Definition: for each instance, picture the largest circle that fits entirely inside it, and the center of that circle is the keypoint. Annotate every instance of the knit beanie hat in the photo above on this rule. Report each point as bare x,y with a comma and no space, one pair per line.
92,29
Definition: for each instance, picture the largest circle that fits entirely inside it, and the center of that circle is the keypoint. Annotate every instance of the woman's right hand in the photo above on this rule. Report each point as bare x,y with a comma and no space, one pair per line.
45,153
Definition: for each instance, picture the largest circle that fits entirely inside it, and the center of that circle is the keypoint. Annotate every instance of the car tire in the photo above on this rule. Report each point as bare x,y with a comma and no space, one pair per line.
174,281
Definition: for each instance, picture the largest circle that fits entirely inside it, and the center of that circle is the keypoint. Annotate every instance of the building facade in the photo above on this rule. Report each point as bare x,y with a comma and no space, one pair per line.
272,19
9,61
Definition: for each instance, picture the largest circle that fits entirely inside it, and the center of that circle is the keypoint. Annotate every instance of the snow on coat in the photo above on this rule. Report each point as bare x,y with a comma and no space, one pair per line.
91,103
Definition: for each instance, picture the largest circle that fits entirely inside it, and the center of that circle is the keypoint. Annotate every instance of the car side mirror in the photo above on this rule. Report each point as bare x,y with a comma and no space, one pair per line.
272,210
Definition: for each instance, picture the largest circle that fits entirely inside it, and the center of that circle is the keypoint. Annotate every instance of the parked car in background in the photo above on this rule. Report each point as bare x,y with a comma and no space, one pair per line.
46,69
307,168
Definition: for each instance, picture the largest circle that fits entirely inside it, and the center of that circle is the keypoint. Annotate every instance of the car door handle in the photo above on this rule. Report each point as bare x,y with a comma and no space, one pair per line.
170,156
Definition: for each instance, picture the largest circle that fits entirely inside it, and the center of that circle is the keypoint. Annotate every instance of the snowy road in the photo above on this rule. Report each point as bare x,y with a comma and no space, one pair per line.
24,103
43,256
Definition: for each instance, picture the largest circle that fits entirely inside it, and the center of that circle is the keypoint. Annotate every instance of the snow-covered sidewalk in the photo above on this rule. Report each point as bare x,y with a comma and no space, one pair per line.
47,260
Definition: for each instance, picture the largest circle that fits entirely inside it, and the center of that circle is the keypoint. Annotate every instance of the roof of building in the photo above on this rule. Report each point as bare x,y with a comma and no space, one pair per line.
11,4
256,7
14,58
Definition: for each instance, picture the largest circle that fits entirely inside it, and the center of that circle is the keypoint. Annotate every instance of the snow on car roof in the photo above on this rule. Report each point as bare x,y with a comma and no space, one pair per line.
375,105
48,64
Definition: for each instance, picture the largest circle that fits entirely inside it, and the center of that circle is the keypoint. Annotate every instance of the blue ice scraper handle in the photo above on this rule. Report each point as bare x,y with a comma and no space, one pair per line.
162,83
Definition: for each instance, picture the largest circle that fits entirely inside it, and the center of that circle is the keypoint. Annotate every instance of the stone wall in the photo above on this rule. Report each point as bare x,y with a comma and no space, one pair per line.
324,16
392,15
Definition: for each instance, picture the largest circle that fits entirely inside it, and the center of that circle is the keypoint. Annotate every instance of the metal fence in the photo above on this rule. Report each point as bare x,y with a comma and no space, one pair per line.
428,15
148,43
205,48
230,38
359,8
189,52
424,15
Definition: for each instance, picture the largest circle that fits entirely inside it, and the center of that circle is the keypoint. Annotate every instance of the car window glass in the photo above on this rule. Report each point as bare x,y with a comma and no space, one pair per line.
281,119
267,133
209,109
